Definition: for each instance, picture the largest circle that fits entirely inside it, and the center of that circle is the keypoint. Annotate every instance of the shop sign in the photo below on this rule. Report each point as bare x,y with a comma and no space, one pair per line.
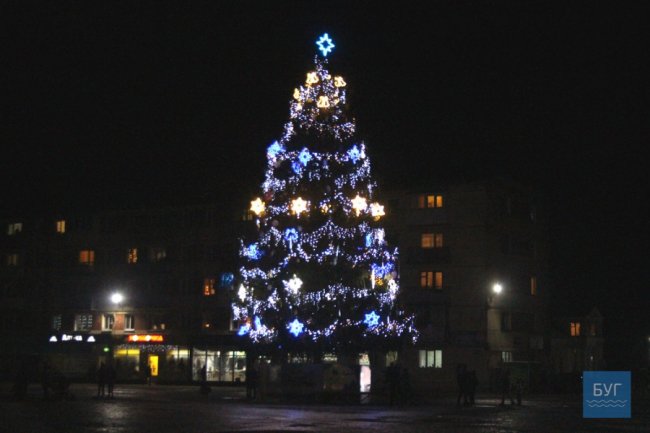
145,338
69,337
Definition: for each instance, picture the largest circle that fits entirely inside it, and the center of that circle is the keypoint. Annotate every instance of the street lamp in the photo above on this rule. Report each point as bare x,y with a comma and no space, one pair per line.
116,298
497,288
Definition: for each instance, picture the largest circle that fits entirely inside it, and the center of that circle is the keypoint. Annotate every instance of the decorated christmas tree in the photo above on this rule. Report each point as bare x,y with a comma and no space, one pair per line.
318,276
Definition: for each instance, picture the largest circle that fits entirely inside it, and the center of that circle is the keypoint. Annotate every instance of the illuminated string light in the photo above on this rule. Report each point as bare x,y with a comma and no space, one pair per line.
326,167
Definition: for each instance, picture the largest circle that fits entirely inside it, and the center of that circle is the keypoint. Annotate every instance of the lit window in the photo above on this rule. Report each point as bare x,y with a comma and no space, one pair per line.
247,216
431,279
392,357
575,329
60,226
208,286
533,286
129,322
506,356
83,322
56,322
158,255
87,257
12,259
108,321
14,228
132,256
431,240
430,358
429,201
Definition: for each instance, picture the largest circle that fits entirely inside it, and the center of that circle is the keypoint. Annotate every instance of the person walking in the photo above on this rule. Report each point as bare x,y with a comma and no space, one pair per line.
101,380
110,379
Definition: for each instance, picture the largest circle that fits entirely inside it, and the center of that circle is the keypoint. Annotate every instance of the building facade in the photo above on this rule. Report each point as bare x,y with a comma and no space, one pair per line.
173,270
473,266
170,269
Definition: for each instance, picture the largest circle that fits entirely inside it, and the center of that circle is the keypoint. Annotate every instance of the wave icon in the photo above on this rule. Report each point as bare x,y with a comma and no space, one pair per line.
606,403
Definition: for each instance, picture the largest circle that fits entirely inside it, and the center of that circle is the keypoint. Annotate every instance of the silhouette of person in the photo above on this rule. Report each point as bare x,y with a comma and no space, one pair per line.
471,382
505,387
101,380
147,373
251,383
110,379
461,374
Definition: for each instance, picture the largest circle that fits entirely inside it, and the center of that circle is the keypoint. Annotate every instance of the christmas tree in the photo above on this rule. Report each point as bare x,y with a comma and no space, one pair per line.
318,275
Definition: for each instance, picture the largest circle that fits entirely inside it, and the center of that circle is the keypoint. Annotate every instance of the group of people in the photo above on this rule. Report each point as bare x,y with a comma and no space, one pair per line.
105,378
467,384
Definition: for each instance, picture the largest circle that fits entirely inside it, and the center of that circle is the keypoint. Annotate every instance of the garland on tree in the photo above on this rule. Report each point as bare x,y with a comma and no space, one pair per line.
318,269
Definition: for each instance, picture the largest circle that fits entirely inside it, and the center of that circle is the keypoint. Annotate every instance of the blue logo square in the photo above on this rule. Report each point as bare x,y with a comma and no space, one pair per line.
606,394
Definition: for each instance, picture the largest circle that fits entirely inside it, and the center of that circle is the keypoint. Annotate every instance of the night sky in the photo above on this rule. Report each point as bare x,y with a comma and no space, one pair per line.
129,104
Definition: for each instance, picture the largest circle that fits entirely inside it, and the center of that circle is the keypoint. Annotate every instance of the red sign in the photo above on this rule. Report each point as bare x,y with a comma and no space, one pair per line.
145,338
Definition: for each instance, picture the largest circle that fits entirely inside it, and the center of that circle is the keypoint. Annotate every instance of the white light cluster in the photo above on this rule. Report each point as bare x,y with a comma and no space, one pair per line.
317,209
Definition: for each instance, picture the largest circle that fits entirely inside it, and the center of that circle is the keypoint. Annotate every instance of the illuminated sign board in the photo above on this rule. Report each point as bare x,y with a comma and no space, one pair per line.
145,338
68,337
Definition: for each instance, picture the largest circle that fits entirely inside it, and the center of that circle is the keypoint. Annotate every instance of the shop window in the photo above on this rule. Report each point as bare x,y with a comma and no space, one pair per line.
506,356
430,358
60,226
221,366
392,357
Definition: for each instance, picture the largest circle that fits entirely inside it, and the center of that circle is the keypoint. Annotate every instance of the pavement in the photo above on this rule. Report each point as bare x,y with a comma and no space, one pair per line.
160,409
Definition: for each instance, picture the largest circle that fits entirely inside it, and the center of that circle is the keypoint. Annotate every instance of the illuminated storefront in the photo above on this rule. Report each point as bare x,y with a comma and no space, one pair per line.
221,365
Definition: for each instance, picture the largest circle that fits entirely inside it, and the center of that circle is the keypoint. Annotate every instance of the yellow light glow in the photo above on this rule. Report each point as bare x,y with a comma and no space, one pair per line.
298,107
298,206
312,78
377,210
296,94
338,82
257,206
359,204
325,208
323,102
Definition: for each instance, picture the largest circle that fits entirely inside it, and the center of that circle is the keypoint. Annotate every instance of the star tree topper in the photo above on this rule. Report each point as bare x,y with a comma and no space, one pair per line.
325,44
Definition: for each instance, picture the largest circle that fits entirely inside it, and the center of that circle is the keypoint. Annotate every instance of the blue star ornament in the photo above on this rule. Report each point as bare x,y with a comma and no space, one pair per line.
295,327
325,44
372,319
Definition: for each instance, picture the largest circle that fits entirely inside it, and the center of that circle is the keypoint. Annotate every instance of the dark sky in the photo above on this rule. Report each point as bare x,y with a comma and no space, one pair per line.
123,104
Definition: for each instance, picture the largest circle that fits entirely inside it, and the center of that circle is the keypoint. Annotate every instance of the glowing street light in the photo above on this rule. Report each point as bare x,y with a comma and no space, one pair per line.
116,298
497,288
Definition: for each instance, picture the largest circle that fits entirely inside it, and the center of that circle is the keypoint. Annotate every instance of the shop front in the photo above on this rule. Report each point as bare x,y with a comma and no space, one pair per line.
222,364
141,354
